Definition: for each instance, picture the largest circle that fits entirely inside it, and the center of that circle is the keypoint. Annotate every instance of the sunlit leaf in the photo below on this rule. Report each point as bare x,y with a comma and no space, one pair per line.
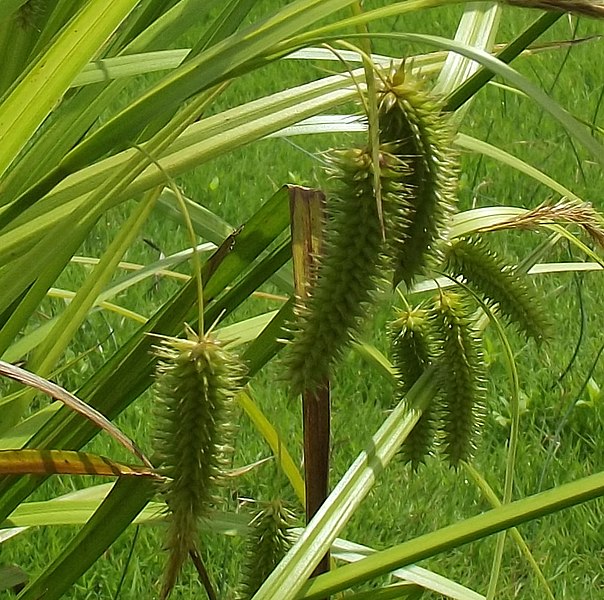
74,403
430,544
64,462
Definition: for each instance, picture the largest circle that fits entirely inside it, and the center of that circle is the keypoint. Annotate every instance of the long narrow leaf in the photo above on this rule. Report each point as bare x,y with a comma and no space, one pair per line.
34,97
288,578
397,591
201,142
351,552
76,508
210,68
472,144
478,28
477,81
125,501
74,403
64,462
46,355
276,443
78,113
8,7
494,501
441,540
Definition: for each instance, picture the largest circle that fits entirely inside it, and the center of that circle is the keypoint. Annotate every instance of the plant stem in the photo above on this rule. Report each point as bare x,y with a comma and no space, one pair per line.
307,216
203,574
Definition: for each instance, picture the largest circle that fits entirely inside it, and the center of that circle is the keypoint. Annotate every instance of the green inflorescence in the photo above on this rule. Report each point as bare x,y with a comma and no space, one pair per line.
505,290
351,268
412,352
196,383
365,245
268,543
412,121
28,13
461,371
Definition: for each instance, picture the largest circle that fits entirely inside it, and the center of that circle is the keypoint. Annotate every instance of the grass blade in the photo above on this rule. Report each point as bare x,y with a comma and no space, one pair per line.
478,28
31,101
469,530
275,441
74,403
242,51
494,501
125,501
46,355
472,144
477,81
270,341
428,580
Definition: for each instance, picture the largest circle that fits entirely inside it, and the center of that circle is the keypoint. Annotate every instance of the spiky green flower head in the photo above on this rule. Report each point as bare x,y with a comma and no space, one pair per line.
268,543
504,289
196,381
412,120
461,372
413,350
350,270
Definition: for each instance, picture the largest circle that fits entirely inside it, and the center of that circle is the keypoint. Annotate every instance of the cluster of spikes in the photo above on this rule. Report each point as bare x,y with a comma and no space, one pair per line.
364,241
196,382
405,236
443,334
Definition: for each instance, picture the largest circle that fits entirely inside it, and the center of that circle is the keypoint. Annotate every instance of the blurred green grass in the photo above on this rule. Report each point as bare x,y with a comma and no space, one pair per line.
560,437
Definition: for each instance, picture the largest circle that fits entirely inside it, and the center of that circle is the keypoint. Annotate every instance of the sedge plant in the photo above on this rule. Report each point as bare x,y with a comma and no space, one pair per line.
102,121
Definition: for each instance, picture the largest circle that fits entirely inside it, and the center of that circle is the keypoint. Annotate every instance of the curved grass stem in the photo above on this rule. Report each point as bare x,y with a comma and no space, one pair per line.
514,430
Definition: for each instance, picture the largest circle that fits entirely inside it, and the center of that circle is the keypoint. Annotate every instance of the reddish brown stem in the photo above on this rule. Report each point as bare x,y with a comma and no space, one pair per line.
307,216
316,415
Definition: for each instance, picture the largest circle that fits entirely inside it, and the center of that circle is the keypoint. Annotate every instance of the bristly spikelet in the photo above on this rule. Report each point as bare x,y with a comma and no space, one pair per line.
412,352
412,120
196,382
461,371
506,291
268,543
349,272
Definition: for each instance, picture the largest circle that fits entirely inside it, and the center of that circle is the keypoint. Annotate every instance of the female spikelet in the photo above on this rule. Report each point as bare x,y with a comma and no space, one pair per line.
351,267
196,382
505,290
412,352
461,372
268,543
412,121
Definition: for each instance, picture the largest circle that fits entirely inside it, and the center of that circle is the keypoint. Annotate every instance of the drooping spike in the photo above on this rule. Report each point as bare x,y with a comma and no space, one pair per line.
351,268
196,382
268,543
461,370
411,120
505,290
413,350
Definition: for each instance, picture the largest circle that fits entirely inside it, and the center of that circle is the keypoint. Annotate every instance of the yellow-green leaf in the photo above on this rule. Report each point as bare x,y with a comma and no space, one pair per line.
34,97
65,462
